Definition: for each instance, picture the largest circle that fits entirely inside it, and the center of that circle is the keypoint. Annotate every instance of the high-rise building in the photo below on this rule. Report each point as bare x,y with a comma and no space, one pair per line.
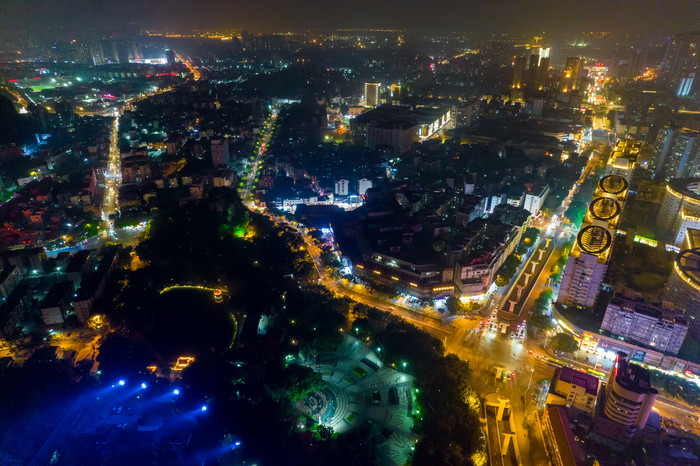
640,323
683,288
170,56
363,184
569,80
533,70
682,60
341,187
543,68
534,198
679,153
464,114
519,68
685,85
220,153
588,260
625,403
372,95
680,208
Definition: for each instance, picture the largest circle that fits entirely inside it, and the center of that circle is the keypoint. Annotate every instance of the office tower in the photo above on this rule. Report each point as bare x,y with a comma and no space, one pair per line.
682,59
683,288
170,56
97,55
532,70
371,95
569,80
543,68
518,84
588,260
676,153
662,145
625,403
519,67
640,323
685,85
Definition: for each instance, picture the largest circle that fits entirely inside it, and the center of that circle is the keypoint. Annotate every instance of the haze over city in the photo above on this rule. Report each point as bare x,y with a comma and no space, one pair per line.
369,232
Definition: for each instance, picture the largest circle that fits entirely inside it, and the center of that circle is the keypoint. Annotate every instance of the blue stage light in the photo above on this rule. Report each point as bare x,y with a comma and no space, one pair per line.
176,392
143,385
204,408
122,382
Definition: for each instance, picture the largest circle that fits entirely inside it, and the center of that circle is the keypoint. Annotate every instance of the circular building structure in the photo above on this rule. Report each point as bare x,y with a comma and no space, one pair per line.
680,207
613,184
683,288
594,240
604,208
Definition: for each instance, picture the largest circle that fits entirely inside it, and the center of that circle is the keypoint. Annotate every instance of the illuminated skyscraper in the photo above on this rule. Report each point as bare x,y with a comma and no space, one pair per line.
682,61
519,67
543,68
371,95
676,153
569,80
625,403
588,260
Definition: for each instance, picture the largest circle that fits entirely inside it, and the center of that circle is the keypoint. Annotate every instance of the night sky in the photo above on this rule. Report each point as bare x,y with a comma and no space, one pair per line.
480,17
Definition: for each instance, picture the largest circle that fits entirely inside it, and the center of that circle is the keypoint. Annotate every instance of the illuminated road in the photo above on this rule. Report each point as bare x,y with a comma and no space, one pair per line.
113,176
256,164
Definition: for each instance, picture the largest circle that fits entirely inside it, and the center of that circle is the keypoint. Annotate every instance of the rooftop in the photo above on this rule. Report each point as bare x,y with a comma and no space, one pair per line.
632,376
564,437
578,378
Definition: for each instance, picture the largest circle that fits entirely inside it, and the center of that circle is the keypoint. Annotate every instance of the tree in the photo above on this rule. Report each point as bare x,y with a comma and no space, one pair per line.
454,306
541,321
563,342
507,270
530,236
542,301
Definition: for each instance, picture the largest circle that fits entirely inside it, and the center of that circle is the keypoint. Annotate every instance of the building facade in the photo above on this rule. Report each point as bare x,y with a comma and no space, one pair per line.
573,388
372,95
680,208
676,153
220,153
569,80
646,325
683,288
363,184
341,187
588,260
625,403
